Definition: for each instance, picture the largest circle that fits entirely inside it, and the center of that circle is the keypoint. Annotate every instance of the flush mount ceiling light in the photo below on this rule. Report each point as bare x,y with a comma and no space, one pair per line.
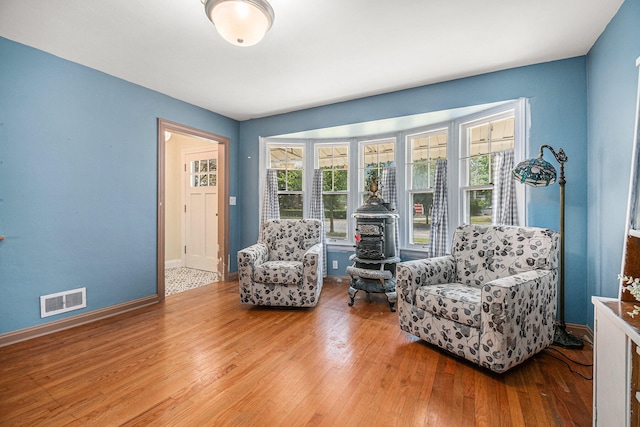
240,22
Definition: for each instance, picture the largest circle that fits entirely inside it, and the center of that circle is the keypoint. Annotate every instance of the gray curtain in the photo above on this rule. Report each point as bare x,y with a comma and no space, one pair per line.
504,209
439,212
389,193
316,211
270,205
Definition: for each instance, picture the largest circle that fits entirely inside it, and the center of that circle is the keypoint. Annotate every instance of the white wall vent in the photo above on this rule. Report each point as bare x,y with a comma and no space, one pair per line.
62,302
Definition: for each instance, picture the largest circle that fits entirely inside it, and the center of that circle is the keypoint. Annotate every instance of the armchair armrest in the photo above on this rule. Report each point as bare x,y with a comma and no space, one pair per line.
249,258
410,275
312,263
517,318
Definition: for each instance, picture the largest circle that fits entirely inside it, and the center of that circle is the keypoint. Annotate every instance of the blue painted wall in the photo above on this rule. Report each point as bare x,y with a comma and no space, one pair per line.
78,168
558,100
612,86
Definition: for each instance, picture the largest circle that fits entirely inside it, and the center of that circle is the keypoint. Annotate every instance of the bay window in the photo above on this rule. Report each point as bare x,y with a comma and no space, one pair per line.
464,147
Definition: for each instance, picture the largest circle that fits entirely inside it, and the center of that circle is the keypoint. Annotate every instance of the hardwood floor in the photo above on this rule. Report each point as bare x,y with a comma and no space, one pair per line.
202,359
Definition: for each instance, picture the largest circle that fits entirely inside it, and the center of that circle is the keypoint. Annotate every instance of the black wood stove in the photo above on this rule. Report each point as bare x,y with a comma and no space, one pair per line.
374,263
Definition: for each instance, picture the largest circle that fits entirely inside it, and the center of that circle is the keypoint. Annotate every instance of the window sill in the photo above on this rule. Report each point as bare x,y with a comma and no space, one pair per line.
414,253
341,247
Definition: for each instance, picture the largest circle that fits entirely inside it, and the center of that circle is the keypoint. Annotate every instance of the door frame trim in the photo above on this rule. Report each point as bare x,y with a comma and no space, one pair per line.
223,196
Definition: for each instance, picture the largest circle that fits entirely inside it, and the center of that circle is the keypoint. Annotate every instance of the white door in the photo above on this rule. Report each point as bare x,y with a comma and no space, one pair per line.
201,210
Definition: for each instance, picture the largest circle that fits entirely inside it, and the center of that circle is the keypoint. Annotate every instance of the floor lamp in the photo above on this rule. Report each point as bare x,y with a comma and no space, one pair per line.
540,173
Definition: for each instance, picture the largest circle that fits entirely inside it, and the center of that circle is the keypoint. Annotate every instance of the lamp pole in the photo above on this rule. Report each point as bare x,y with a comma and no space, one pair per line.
561,336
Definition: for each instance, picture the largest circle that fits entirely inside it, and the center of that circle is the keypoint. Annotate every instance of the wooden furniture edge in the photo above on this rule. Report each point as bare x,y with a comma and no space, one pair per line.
25,334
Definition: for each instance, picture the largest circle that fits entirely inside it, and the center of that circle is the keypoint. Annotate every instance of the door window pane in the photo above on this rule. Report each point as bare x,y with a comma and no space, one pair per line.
198,173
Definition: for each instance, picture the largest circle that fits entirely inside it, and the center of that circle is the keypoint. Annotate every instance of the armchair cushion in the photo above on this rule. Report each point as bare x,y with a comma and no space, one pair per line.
280,272
452,301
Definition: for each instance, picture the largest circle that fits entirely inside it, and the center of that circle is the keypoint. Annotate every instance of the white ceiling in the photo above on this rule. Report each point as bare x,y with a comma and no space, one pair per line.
317,52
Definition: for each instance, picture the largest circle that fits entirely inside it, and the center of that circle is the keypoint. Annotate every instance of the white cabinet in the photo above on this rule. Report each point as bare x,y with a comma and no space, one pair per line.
616,364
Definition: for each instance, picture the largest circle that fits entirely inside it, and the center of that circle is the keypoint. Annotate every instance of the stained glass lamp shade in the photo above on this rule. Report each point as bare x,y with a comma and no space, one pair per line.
535,172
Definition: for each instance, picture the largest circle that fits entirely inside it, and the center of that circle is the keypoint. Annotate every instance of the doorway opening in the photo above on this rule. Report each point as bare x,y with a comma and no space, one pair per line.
193,189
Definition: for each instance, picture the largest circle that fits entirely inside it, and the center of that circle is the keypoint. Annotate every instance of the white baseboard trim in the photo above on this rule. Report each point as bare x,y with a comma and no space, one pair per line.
174,263
73,321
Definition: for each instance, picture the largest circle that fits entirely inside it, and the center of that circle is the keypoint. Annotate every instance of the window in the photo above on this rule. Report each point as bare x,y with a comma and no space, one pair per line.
423,150
376,155
479,141
468,140
333,160
289,162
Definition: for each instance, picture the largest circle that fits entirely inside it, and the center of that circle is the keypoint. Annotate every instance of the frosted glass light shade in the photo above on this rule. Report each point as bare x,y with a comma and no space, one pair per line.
240,22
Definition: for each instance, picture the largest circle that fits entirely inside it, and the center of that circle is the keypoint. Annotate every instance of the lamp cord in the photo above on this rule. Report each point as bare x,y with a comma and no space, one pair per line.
567,364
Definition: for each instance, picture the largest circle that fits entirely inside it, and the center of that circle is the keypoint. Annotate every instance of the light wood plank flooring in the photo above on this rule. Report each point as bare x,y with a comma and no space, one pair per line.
203,359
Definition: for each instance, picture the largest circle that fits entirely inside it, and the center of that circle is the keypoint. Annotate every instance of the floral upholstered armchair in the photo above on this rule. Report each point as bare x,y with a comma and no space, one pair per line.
492,301
285,267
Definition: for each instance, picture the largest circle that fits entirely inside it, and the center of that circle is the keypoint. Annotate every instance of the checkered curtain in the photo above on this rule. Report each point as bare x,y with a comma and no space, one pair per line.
504,207
316,211
439,212
389,193
270,205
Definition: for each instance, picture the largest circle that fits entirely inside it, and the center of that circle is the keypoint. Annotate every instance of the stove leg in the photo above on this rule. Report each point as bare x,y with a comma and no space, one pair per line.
392,297
352,295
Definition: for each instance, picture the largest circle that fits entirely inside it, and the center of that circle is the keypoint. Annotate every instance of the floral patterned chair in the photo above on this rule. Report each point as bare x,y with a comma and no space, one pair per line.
492,301
285,267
